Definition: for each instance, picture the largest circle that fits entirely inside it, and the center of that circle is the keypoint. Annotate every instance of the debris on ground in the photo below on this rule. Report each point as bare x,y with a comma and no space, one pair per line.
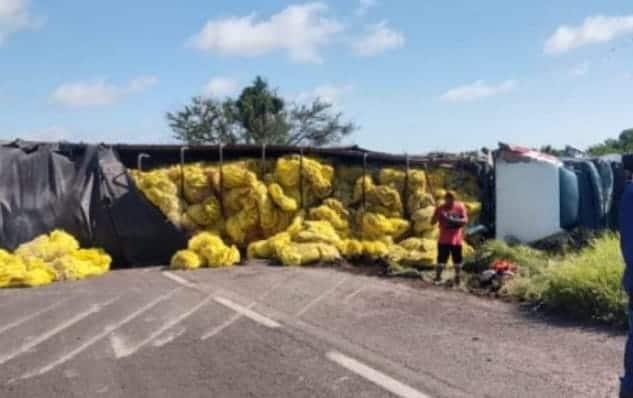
50,258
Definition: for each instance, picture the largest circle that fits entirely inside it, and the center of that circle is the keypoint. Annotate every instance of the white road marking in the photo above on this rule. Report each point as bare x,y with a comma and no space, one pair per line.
321,297
59,328
218,329
380,379
353,294
106,331
118,346
179,279
245,311
30,316
123,351
169,338
221,327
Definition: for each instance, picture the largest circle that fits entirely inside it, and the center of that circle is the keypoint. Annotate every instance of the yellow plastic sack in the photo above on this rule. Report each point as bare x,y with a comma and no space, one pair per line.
398,179
420,244
272,219
12,270
375,249
465,184
419,199
49,247
422,220
206,213
212,250
185,260
237,175
197,186
376,226
38,273
296,254
351,248
331,216
284,202
49,258
82,264
317,232
259,249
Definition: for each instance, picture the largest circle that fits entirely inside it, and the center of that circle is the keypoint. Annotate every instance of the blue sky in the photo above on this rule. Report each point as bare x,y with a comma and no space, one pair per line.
416,76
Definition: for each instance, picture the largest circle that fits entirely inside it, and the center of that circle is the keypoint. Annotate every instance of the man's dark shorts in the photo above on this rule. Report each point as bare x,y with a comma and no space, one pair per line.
446,251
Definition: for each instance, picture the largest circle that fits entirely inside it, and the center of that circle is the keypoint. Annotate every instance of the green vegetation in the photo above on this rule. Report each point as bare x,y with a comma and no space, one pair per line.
584,285
259,116
623,144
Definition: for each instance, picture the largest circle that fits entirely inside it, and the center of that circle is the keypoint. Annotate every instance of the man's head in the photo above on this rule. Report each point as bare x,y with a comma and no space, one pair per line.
449,198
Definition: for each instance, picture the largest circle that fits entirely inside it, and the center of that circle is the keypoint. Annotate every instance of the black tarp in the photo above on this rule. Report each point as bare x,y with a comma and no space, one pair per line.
85,190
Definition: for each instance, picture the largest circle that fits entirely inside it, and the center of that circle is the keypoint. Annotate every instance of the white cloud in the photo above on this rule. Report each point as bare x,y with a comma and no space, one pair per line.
14,17
329,93
220,87
301,30
580,70
477,90
364,6
595,29
142,83
378,39
98,92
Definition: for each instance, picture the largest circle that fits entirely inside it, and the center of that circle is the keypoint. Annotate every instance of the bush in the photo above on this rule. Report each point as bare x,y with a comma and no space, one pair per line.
584,285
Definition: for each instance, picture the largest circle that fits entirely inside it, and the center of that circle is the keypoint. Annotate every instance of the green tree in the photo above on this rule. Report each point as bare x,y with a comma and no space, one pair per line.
623,144
258,116
261,113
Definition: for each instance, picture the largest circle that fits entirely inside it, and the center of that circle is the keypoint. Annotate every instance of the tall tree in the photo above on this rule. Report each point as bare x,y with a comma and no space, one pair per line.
261,112
259,116
205,121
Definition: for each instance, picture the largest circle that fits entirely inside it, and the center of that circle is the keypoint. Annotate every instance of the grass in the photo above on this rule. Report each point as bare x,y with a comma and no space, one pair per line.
585,284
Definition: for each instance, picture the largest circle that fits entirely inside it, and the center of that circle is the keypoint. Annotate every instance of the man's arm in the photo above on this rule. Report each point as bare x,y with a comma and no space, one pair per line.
436,216
464,214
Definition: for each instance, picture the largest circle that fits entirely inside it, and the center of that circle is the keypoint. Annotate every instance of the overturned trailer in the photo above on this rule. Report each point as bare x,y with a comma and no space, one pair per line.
87,190
538,195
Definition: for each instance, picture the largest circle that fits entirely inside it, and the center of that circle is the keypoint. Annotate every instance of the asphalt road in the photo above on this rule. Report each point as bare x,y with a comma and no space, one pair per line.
262,331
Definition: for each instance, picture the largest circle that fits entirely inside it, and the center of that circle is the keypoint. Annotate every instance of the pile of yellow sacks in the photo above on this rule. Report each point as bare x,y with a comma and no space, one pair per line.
50,258
299,211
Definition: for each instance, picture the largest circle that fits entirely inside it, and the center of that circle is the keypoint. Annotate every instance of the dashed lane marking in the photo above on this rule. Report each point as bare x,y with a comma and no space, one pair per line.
106,331
57,329
122,351
247,312
27,318
159,342
380,379
218,329
179,279
321,297
355,293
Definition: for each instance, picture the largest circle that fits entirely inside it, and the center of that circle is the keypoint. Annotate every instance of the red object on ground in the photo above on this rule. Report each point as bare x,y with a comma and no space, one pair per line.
504,266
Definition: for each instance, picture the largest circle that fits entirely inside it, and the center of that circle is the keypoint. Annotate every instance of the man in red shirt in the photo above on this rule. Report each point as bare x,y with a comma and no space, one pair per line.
452,217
